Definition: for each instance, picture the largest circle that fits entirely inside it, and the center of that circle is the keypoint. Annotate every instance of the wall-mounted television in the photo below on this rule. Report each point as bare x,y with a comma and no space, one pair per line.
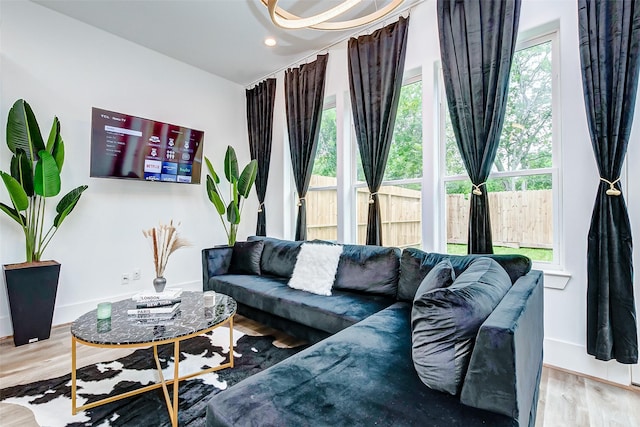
129,147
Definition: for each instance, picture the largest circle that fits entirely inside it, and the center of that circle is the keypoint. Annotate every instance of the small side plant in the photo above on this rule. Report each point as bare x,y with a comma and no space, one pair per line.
34,177
239,189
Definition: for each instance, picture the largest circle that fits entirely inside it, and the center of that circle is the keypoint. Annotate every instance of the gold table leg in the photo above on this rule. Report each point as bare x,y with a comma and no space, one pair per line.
73,376
172,404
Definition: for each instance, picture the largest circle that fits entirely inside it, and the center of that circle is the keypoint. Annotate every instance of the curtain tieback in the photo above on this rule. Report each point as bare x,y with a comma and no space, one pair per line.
612,191
300,199
476,188
260,206
371,197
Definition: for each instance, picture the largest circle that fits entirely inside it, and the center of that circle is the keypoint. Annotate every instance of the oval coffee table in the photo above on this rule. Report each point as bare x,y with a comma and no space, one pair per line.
193,319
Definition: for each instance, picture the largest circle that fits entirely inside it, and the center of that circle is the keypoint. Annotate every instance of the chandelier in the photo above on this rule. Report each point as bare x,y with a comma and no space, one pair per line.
284,19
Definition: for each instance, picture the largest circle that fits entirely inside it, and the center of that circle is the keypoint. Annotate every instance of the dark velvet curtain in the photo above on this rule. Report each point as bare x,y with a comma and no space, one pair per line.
609,53
477,41
304,95
260,101
376,65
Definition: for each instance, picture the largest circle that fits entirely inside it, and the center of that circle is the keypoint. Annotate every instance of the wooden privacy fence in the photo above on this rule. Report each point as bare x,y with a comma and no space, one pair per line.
400,207
518,218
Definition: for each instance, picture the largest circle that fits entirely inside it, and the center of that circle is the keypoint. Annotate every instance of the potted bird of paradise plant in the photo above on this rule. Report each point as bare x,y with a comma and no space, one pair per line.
239,188
34,177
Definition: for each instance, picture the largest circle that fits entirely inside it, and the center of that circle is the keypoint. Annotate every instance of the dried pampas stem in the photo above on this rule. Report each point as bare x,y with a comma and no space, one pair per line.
164,240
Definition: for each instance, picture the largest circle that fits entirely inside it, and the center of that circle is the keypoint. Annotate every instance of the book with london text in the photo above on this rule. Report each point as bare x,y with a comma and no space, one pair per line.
169,309
154,322
157,303
155,296
151,316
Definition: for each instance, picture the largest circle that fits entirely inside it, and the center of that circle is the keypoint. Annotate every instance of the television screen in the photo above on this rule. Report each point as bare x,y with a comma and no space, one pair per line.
129,147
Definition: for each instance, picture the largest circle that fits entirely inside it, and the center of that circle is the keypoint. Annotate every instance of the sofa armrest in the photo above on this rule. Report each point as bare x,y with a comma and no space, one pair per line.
506,363
215,262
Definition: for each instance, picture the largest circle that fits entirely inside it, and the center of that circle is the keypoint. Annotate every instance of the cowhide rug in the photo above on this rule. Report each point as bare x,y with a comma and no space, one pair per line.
50,400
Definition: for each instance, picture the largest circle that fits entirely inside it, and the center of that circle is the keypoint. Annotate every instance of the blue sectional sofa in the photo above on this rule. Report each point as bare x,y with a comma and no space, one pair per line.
360,369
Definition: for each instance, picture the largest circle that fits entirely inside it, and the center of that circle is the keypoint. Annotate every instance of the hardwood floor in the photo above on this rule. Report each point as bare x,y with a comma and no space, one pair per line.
566,399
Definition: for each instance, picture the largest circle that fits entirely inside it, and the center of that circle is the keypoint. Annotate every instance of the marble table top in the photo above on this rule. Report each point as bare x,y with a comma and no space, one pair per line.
192,317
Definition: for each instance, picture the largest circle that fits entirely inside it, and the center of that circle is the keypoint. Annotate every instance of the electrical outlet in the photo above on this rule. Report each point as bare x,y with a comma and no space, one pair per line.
125,279
136,274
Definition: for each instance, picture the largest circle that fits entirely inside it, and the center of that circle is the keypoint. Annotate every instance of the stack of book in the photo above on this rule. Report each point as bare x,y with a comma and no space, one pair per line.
155,308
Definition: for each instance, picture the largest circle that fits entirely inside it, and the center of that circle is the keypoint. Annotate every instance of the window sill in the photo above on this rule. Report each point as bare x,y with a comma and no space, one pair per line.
555,279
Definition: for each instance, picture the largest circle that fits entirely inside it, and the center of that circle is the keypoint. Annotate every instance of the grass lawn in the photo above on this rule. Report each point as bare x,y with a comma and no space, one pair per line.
545,255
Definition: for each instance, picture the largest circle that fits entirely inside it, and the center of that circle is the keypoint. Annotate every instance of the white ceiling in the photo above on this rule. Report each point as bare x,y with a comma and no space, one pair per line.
223,37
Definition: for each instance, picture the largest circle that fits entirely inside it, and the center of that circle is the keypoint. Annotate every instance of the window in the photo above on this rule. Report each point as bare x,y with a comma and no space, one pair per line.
322,200
400,194
523,184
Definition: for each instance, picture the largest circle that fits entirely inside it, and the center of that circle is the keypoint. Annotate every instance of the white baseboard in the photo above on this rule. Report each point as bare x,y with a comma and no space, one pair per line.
574,357
69,312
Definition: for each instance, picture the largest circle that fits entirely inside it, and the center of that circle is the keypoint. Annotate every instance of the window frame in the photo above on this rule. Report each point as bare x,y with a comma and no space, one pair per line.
410,77
555,171
329,103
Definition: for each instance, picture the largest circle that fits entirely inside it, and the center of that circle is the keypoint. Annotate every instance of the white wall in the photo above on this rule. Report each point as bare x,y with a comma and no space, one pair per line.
63,67
565,309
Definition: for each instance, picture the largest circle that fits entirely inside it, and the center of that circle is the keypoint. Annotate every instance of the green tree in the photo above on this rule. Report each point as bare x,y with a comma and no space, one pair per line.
526,139
326,162
405,154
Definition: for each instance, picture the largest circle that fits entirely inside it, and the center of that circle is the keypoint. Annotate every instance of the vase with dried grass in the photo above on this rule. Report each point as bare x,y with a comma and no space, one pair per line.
163,240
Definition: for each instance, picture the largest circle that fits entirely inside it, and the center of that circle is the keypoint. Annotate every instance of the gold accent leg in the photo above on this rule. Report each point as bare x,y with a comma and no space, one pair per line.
231,342
176,382
172,405
165,390
74,410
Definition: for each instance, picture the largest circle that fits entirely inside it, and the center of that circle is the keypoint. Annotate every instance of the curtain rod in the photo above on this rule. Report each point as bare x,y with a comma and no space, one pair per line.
358,33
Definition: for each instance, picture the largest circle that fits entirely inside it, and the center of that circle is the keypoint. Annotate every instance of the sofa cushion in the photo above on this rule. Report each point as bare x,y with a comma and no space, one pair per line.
315,268
415,264
278,256
245,258
445,321
272,295
362,376
371,269
440,276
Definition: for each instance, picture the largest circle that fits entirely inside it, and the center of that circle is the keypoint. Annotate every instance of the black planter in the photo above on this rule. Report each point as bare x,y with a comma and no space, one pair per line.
32,289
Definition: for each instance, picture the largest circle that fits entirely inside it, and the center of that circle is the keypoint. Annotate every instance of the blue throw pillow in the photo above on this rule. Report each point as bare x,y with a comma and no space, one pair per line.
440,276
246,256
445,322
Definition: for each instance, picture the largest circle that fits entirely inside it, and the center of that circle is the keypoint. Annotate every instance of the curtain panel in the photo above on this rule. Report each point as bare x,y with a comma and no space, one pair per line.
376,66
304,96
477,42
609,36
260,102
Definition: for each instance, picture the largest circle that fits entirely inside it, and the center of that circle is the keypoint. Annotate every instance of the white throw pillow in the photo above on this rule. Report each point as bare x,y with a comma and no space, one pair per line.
316,268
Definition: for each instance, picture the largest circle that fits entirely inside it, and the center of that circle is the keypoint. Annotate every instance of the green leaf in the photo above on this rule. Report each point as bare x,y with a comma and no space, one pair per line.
55,145
214,197
47,176
17,194
13,214
67,203
23,130
234,192
231,165
22,171
58,154
247,178
233,213
213,173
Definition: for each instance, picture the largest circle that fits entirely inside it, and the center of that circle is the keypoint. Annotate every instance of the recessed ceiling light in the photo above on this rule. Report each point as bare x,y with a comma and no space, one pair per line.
270,41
